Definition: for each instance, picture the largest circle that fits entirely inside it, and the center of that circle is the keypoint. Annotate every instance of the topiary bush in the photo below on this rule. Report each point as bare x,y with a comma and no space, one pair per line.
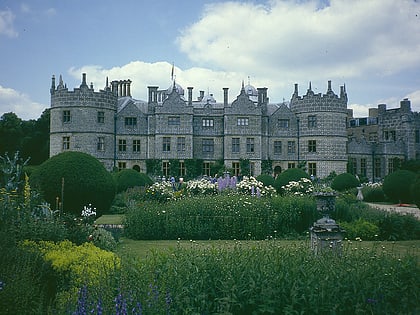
291,174
266,179
397,186
360,228
344,182
129,178
83,178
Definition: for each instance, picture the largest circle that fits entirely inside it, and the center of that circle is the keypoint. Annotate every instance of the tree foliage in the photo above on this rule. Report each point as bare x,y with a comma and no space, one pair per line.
129,178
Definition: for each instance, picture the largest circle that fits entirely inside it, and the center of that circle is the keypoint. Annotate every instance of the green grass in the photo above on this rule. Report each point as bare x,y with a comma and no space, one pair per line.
110,219
141,249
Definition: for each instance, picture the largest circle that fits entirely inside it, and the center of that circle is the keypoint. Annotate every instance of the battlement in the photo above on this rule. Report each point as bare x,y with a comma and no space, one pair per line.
311,102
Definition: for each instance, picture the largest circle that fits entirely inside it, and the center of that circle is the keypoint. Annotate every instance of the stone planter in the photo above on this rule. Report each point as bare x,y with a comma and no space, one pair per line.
326,234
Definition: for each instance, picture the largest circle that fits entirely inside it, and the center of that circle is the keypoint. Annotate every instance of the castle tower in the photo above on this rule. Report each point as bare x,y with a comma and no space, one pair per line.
321,134
83,120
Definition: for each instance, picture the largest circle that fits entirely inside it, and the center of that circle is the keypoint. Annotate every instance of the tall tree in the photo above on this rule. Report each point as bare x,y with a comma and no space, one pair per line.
11,133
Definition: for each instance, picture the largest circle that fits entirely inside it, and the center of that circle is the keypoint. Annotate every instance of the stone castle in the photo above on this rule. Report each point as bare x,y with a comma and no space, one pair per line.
317,129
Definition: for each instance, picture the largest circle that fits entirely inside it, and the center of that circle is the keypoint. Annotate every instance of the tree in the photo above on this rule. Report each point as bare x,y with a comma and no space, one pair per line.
10,133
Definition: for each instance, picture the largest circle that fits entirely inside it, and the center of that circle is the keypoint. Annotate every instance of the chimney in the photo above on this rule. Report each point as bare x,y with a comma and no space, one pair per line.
83,79
225,97
201,96
152,94
329,86
190,88
405,105
295,93
128,87
114,87
52,84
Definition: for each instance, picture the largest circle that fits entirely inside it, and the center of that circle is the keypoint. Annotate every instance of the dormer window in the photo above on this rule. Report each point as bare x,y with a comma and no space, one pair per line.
130,122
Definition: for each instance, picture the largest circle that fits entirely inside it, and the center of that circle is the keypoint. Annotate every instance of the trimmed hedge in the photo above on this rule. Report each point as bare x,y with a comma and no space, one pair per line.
415,191
266,179
344,182
86,181
129,178
291,174
397,186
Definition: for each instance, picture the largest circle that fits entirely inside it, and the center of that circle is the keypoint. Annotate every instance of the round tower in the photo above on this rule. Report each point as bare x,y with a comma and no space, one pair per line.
83,120
322,136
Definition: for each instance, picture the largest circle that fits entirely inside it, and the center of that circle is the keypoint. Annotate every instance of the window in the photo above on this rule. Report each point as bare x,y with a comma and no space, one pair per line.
252,168
378,168
122,145
122,165
66,116
243,121
291,147
417,136
180,144
182,168
66,143
208,122
392,165
131,122
166,144
353,166
277,147
165,168
235,145
236,168
373,136
250,146
312,121
291,165
174,120
389,135
283,123
312,169
392,135
101,117
363,170
101,144
136,145
311,145
206,168
208,145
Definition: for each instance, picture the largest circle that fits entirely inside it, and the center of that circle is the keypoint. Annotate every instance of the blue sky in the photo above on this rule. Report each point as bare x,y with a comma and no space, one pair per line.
371,46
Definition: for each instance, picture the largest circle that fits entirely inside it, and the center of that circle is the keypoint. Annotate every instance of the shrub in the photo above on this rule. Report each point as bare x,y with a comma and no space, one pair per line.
266,179
291,174
415,191
129,178
85,180
373,193
397,185
344,181
362,229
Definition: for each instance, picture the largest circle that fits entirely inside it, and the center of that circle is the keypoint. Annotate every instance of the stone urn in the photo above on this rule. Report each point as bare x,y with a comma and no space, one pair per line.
326,234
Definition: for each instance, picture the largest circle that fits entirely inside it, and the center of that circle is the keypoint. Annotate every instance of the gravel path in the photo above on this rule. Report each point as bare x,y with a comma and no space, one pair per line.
403,209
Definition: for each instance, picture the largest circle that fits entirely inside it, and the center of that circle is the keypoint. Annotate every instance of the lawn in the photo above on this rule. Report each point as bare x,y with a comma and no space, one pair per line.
142,249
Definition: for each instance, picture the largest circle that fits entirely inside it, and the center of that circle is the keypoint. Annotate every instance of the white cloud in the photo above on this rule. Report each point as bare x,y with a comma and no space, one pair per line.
20,104
6,24
296,38
144,74
414,97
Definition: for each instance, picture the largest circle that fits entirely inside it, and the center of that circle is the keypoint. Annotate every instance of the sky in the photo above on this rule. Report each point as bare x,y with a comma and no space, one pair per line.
371,46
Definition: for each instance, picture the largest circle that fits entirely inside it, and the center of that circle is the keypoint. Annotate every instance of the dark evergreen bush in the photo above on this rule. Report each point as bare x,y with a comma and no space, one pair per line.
82,177
129,178
373,194
266,179
344,181
291,174
397,185
415,191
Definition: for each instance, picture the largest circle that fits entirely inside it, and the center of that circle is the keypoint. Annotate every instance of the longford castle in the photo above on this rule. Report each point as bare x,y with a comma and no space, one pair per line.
170,126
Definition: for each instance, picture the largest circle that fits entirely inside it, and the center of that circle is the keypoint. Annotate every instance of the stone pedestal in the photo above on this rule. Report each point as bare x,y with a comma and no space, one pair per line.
326,234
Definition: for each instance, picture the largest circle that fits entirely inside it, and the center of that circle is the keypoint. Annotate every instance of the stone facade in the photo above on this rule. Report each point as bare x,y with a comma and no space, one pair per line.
314,128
